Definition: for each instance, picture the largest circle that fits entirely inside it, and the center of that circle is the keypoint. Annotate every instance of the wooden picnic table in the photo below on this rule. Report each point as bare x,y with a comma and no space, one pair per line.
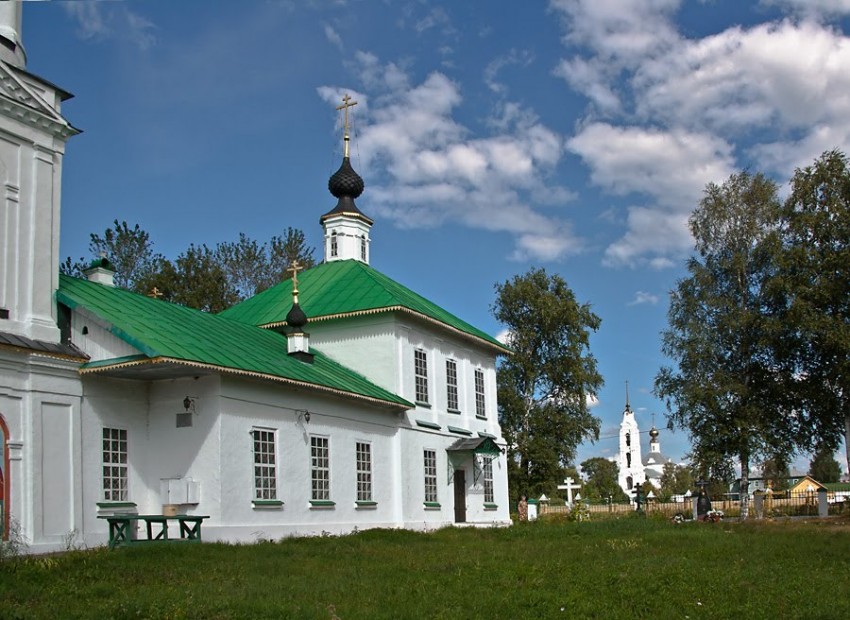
120,532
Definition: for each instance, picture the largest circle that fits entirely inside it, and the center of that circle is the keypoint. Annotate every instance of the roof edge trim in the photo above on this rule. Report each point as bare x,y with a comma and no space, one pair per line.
342,315
118,363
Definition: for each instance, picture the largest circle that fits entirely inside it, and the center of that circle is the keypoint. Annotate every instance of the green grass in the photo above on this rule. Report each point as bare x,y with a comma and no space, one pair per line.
626,568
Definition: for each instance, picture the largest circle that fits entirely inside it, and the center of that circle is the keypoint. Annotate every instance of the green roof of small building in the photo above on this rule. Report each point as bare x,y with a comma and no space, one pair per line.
169,333
347,288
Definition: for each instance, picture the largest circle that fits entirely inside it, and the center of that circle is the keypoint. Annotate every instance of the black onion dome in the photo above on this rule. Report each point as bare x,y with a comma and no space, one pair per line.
296,318
345,181
346,185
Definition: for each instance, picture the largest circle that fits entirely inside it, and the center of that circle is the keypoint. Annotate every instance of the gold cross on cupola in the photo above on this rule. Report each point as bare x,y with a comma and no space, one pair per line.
295,267
346,103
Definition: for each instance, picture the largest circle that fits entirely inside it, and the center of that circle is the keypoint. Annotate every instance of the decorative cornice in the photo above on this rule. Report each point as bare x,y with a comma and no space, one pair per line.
18,101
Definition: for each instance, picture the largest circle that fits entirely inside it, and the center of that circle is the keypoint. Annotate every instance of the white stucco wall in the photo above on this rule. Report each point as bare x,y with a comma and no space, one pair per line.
40,401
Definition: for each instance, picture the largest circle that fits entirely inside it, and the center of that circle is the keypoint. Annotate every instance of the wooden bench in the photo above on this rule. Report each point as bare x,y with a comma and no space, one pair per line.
120,531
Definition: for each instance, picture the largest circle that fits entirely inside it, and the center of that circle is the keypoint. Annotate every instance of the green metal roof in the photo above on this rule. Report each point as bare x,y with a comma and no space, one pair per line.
348,288
166,332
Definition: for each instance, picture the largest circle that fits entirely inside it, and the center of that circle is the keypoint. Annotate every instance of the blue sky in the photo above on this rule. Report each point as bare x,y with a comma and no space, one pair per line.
575,135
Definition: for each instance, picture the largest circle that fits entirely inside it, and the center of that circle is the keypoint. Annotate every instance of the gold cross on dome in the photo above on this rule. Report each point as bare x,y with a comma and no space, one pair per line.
346,103
295,267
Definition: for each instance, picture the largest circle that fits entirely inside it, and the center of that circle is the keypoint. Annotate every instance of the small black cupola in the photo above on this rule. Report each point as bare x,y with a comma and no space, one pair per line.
298,341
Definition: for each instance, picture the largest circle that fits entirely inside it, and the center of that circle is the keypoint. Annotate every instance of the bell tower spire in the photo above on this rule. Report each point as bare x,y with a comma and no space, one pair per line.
346,227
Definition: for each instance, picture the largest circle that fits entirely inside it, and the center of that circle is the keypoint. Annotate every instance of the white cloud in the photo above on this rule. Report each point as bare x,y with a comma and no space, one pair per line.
681,112
425,169
333,36
812,8
642,297
672,166
521,58
99,20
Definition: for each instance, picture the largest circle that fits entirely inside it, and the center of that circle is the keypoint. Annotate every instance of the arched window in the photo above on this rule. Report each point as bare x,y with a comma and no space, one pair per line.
363,248
628,459
628,439
334,247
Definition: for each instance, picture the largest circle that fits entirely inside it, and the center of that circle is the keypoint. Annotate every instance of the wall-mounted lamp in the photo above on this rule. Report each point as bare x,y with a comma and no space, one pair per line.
184,418
303,414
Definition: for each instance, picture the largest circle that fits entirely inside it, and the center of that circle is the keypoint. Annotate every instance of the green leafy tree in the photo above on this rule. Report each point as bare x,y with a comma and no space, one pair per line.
601,481
815,289
130,250
545,384
824,468
675,480
726,389
251,267
775,473
209,279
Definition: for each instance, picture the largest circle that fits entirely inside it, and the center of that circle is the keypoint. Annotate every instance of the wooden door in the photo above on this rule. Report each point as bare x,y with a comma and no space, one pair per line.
460,496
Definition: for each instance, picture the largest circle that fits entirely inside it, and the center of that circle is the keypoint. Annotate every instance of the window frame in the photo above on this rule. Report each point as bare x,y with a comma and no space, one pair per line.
420,375
452,392
115,474
334,249
320,468
429,469
363,468
480,394
487,474
265,482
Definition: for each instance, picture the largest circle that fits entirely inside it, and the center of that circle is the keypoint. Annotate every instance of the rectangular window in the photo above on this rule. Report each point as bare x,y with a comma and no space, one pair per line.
430,476
364,472
320,468
488,479
363,249
451,384
115,487
480,408
265,464
421,372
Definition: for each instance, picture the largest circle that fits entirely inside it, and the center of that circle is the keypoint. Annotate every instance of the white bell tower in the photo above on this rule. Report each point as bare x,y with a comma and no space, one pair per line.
32,144
629,460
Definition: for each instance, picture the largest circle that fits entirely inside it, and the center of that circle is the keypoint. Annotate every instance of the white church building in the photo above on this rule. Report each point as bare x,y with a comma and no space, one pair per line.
336,400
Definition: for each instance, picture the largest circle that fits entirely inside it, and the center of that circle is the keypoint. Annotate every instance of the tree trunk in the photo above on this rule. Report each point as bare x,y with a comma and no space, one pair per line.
847,443
744,491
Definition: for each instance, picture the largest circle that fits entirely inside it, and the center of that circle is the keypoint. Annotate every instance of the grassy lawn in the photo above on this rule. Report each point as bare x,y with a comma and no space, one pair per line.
626,568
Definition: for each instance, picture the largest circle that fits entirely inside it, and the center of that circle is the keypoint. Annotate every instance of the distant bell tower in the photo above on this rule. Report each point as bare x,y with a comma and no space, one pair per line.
31,151
629,461
346,227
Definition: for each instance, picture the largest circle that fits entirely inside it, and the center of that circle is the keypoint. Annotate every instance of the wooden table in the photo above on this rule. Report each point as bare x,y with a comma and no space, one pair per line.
120,531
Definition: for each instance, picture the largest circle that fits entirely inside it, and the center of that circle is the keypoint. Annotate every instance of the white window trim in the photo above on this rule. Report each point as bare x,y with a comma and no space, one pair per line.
480,395
417,377
314,469
123,490
430,477
369,483
262,492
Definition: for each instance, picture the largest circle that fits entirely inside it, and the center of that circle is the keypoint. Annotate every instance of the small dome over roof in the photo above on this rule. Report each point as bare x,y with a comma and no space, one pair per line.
345,181
295,318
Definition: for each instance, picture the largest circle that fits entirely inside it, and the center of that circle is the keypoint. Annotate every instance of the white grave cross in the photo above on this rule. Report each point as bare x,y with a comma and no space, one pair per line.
569,487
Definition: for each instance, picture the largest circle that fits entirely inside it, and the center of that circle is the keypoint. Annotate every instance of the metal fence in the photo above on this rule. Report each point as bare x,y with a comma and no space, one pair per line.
761,506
